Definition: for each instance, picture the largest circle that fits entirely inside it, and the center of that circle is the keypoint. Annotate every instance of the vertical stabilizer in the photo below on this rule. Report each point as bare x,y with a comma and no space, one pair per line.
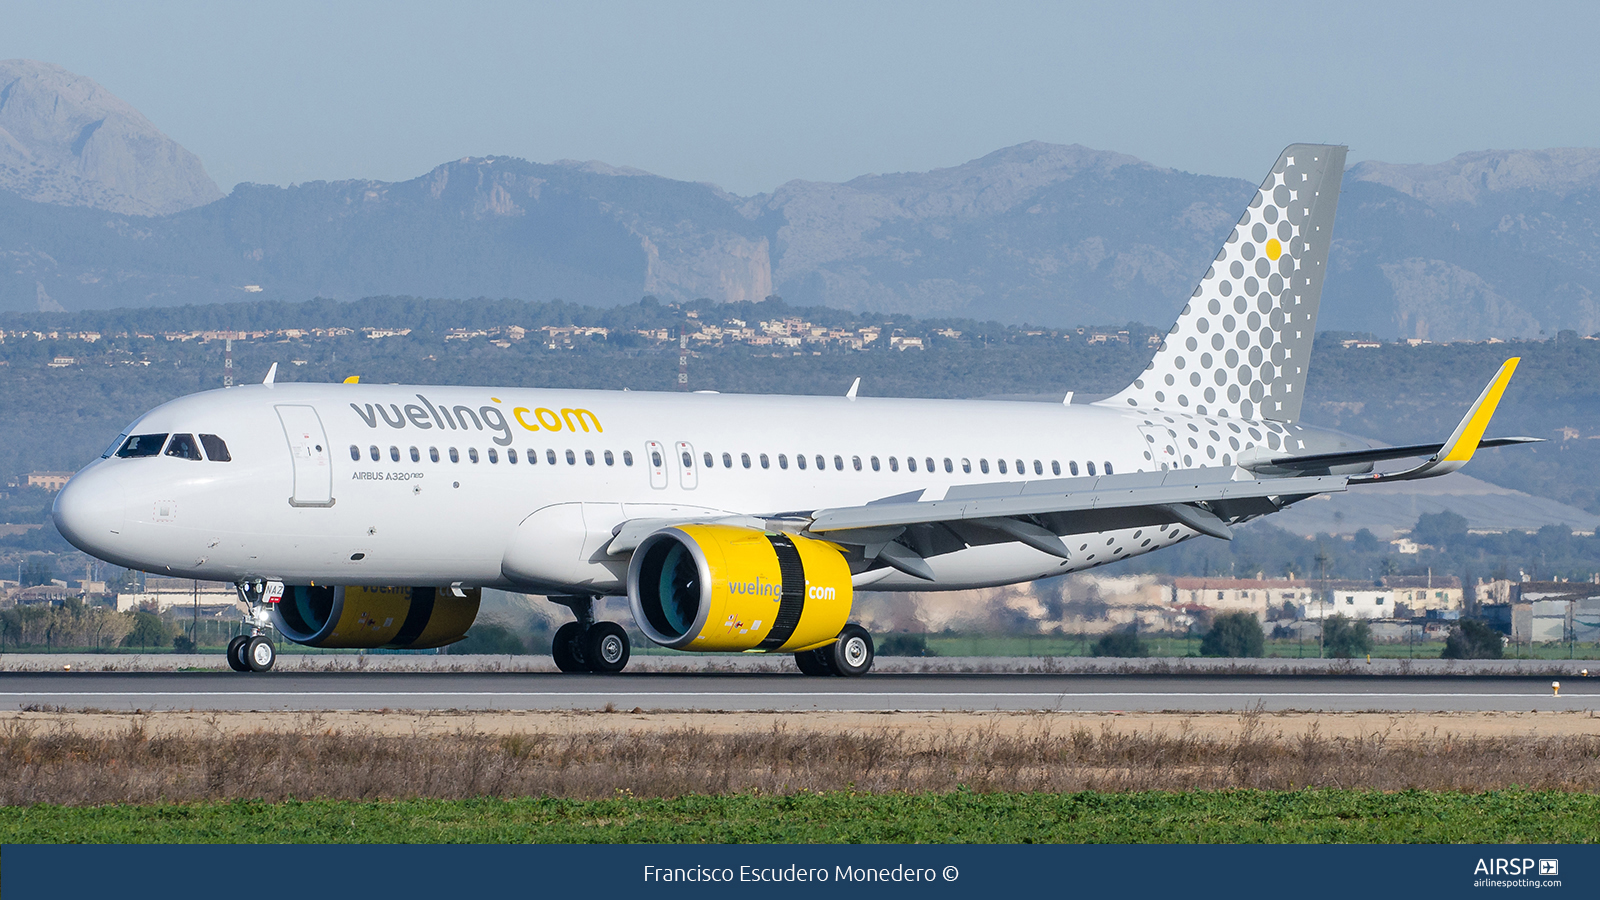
1242,345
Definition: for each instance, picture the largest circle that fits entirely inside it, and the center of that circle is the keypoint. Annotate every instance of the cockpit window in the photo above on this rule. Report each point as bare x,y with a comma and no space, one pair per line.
141,445
216,448
184,446
115,446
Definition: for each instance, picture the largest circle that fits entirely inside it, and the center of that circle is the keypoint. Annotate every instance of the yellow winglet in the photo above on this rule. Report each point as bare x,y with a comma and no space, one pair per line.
356,379
1464,442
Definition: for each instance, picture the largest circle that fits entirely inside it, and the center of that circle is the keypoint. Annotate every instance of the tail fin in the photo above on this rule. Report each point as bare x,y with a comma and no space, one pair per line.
1242,345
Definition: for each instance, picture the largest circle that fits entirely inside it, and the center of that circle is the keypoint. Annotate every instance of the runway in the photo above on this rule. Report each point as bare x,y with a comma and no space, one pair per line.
788,693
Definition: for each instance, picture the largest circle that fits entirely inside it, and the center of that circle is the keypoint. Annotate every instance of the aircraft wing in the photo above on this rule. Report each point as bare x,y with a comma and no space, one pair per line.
901,531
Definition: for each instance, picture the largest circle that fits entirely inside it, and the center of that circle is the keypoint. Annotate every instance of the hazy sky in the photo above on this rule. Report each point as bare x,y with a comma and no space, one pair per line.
750,95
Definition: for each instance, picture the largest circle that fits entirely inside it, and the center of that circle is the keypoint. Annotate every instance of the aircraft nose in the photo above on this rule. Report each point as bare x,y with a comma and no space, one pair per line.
89,510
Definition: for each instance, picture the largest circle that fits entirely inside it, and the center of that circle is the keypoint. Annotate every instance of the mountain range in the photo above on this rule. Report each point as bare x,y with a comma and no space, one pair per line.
99,209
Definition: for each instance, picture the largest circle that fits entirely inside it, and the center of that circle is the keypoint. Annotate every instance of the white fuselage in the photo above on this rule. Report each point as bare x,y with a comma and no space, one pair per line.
338,484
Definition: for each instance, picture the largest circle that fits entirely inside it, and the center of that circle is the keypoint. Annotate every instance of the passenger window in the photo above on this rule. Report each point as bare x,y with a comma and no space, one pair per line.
783,461
823,463
493,456
455,456
931,467
394,453
216,448
983,465
966,465
1001,464
183,446
355,453
948,466
588,457
655,459
764,463
373,452
710,463
838,463
610,460
727,461
856,461
894,464
1055,466
416,455
744,458
1091,467
572,458
800,461
1073,465
627,457
911,464
472,453
1038,468
433,454
511,456
875,466
1022,467
688,461
1108,468
142,445
550,457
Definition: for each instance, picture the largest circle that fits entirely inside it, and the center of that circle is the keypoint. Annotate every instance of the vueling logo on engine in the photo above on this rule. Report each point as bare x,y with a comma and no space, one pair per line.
757,588
456,418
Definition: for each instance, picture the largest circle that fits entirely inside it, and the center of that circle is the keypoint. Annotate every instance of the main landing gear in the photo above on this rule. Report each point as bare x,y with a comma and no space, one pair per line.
849,655
587,645
253,651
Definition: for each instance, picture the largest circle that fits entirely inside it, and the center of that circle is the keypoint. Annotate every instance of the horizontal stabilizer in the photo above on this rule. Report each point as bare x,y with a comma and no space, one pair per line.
1321,462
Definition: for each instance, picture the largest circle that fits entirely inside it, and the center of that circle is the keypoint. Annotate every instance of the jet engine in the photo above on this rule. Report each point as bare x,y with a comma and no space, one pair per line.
366,618
721,587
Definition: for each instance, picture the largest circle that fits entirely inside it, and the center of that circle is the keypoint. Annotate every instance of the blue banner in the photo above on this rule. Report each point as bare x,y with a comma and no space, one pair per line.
400,872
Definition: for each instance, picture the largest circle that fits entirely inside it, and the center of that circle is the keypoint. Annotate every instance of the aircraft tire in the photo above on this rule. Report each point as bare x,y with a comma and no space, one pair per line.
852,652
606,648
235,654
564,648
259,653
813,662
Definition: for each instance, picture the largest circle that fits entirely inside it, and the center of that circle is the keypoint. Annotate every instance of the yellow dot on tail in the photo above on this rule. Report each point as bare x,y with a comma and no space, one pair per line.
1274,249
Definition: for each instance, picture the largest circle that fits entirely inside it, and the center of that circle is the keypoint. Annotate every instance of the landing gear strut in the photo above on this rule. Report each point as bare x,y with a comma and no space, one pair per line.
587,645
849,655
253,651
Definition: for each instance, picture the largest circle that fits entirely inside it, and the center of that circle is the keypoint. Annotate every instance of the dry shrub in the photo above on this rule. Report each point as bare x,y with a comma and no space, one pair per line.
59,765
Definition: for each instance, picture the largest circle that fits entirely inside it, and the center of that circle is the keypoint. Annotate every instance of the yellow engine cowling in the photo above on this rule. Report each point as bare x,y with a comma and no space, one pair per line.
720,587
368,618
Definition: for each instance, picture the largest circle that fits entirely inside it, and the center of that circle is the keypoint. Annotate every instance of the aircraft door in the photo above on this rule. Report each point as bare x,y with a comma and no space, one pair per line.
656,456
308,447
1160,446
687,475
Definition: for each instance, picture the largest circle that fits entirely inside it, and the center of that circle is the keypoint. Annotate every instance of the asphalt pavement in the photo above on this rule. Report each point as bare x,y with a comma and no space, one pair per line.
205,691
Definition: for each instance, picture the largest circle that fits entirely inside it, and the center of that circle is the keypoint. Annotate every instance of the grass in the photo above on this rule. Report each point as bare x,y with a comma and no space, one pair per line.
53,764
1249,816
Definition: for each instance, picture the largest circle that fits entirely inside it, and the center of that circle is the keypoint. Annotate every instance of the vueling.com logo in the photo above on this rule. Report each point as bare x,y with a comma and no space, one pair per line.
457,418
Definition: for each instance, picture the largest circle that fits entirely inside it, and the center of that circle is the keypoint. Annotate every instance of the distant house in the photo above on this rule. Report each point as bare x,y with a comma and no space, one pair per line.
50,481
1257,596
1415,594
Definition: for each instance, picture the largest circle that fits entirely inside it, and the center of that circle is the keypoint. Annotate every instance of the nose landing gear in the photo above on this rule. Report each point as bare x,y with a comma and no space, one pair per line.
587,645
254,652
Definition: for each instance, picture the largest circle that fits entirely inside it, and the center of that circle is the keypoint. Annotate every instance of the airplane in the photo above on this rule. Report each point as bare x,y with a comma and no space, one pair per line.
372,516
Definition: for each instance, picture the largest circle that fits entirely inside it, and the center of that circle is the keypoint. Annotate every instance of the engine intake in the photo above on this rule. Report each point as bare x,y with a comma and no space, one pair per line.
367,618
721,587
